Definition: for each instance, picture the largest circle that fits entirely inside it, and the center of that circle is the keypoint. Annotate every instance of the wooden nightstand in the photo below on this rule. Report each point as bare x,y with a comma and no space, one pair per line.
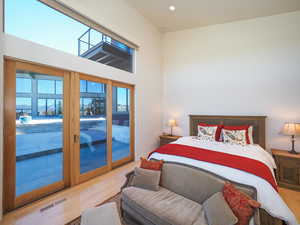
288,169
166,139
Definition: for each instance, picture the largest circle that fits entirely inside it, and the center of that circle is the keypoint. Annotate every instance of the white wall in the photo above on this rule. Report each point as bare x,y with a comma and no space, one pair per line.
248,67
147,78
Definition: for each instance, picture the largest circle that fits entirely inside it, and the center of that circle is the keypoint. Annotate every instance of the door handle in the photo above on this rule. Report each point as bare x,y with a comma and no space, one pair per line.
76,138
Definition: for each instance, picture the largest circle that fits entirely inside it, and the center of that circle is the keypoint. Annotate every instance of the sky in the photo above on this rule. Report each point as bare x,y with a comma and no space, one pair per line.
34,21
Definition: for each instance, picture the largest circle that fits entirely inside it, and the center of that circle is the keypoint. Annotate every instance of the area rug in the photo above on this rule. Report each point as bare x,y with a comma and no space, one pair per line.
115,199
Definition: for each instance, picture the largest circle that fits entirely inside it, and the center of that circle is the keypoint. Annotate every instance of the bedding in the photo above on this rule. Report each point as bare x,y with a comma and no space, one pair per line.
234,161
266,192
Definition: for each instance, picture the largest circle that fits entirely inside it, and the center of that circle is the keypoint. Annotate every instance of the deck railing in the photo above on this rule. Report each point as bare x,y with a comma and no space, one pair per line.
90,41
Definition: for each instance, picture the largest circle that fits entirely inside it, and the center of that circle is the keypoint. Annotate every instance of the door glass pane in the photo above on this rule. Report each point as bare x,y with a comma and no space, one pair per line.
93,87
58,106
93,145
120,123
23,106
42,107
23,85
83,86
58,87
51,107
39,138
46,86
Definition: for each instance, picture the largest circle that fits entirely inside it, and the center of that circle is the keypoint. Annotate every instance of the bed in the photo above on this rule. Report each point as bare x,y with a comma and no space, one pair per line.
263,182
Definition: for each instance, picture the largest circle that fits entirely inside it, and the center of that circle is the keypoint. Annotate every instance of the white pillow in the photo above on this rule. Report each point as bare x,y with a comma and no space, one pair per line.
234,136
207,133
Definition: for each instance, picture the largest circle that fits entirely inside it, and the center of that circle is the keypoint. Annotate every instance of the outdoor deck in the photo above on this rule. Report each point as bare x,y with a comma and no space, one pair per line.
39,153
105,50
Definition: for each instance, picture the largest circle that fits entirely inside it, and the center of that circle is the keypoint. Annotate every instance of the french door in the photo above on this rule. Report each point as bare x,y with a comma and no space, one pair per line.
61,128
91,127
36,130
122,123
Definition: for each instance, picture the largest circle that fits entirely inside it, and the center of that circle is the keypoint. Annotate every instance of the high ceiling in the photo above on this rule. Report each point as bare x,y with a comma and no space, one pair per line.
195,13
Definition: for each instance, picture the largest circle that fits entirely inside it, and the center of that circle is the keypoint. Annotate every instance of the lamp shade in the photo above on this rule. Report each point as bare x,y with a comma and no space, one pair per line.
290,129
172,123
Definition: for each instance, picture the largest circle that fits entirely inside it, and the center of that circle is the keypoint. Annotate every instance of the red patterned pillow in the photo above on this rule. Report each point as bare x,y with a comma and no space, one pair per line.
218,131
151,165
241,204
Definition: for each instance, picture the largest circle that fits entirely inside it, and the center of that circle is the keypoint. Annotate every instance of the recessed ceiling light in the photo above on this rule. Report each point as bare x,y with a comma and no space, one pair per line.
172,7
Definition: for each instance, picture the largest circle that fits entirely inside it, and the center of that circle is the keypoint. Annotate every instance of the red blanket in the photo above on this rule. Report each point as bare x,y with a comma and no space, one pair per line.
234,161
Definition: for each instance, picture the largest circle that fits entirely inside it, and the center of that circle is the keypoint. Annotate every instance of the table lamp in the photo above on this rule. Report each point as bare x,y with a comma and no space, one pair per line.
172,123
291,129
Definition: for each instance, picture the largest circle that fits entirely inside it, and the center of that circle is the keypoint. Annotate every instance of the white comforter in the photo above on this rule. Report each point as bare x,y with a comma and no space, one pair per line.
266,195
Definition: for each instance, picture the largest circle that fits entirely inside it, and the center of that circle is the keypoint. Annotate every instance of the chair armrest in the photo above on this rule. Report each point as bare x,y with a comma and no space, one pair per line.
129,177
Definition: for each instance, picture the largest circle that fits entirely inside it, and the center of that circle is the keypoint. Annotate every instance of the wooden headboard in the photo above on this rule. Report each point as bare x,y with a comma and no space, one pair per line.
258,123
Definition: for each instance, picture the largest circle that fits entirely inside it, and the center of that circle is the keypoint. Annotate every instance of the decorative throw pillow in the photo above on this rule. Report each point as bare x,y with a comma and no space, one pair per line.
218,212
218,131
234,136
250,135
241,204
247,128
146,179
151,165
207,133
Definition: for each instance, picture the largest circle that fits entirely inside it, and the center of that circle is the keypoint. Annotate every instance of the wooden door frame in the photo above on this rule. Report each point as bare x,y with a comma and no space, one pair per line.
75,129
10,200
71,114
131,157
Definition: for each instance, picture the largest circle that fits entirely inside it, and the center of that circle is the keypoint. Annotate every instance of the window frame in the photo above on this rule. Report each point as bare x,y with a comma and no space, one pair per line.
92,24
63,8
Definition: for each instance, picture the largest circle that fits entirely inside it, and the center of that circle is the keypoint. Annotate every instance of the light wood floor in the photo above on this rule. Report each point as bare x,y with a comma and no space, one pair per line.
78,199
90,194
292,199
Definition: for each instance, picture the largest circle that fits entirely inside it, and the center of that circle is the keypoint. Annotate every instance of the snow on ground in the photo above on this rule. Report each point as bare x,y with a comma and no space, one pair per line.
46,136
57,120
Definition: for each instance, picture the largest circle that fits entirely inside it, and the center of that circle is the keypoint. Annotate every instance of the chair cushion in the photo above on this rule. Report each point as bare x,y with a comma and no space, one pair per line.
147,179
163,206
218,212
